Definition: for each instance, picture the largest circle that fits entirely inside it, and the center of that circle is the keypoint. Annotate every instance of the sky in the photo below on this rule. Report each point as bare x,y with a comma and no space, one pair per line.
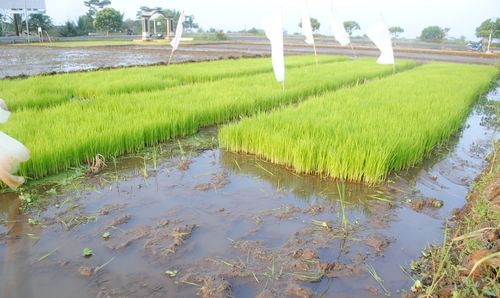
462,16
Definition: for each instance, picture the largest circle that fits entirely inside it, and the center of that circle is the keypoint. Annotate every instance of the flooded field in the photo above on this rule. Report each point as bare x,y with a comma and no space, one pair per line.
186,218
33,60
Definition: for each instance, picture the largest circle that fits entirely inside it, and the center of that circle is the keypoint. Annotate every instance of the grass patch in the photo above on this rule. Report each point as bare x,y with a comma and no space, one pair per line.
364,133
467,263
44,91
67,135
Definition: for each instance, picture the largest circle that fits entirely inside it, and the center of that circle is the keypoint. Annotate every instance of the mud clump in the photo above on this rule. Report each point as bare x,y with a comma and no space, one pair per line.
184,165
211,286
425,203
85,271
294,290
110,208
161,240
378,242
218,181
215,287
120,220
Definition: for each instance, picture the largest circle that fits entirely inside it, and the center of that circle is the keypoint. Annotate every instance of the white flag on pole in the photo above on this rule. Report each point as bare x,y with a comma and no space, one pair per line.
306,24
178,32
338,30
273,27
12,153
4,112
381,37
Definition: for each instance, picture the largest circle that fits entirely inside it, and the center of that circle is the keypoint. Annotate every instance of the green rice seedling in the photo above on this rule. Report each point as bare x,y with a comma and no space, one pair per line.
64,136
44,91
366,132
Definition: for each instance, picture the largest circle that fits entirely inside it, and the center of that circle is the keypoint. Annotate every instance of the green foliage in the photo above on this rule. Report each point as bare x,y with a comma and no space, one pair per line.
95,5
40,20
87,252
69,29
253,30
364,133
66,135
108,19
315,24
487,27
351,26
85,25
434,33
45,91
395,31
220,35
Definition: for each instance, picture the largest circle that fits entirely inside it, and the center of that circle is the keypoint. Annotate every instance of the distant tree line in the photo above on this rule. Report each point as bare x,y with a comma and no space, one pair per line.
102,18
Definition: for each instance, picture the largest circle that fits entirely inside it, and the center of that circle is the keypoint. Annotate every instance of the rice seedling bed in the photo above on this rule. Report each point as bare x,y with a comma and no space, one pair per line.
63,136
44,91
366,132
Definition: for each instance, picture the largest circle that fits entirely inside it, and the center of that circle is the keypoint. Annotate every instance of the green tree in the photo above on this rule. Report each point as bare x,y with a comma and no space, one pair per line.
69,29
189,23
144,9
351,26
108,19
315,24
39,20
95,5
488,27
434,33
3,23
85,24
396,30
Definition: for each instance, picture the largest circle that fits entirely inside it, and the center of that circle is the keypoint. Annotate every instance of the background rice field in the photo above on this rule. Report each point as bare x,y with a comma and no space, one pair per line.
43,91
366,132
74,132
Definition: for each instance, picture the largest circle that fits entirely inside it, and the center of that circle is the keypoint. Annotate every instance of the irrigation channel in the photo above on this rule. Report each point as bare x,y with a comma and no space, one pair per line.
185,218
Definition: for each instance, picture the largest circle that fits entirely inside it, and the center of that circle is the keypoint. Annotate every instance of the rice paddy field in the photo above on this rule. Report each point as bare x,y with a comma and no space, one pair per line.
208,179
43,91
70,134
365,133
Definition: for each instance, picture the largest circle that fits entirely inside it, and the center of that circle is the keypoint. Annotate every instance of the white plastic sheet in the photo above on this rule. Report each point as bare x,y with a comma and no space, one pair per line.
273,27
12,153
306,24
4,113
178,32
381,37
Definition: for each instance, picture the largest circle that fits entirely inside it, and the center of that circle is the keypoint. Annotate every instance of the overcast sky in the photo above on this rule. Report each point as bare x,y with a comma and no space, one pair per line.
462,16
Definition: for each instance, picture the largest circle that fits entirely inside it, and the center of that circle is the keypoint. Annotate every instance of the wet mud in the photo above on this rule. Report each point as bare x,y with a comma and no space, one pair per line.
23,60
203,221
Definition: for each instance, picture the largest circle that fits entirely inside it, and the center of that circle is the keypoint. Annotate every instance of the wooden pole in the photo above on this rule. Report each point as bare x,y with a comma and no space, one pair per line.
170,58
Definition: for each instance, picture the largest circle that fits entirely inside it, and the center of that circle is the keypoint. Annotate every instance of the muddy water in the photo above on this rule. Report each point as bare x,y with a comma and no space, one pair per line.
23,60
227,224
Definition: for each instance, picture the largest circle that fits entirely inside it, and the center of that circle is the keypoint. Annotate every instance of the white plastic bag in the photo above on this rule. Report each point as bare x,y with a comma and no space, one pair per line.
12,153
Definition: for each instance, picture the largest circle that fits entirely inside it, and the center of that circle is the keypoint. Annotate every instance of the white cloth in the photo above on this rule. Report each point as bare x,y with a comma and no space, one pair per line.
381,37
273,27
339,32
4,112
178,32
306,24
12,153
